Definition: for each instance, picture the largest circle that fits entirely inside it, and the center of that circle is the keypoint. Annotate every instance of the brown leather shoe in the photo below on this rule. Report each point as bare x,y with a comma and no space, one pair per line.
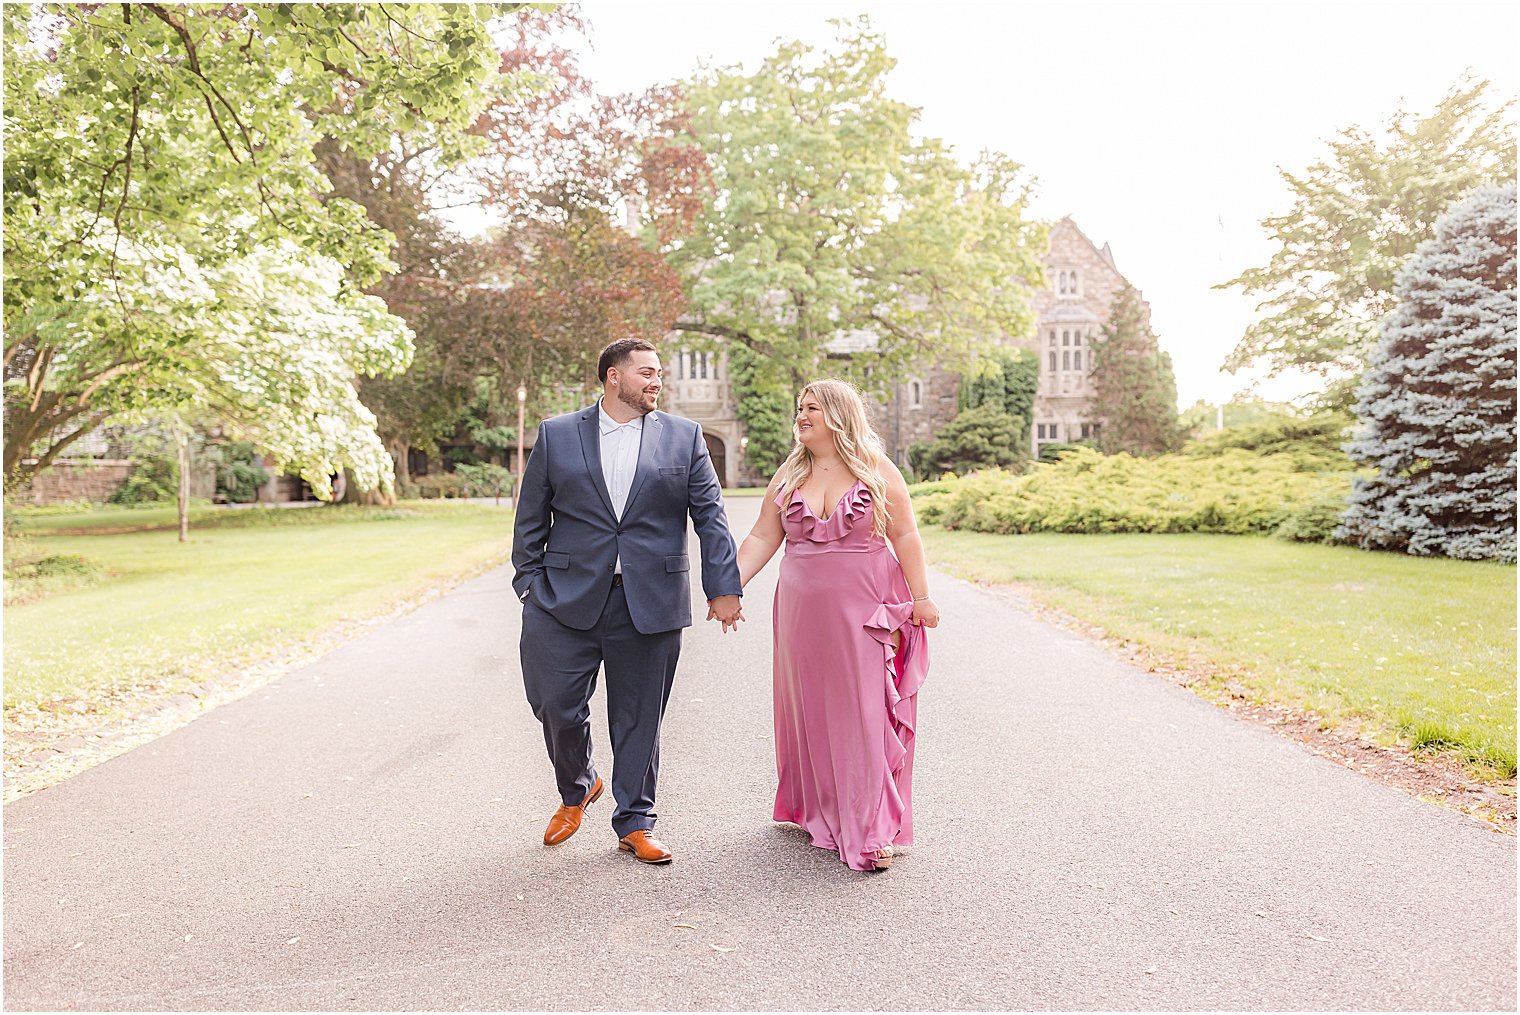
645,847
567,819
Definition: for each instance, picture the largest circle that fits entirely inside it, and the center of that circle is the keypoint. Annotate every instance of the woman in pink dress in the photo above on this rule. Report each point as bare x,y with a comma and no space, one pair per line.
851,606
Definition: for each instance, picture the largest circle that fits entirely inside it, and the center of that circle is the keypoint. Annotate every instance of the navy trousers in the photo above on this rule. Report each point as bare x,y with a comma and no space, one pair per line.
560,666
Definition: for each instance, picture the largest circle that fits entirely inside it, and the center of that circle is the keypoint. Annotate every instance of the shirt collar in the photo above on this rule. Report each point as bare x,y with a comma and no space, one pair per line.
607,424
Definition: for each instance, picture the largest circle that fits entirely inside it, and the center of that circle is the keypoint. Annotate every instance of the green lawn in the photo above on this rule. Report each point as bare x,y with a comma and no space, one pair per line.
242,589
1423,649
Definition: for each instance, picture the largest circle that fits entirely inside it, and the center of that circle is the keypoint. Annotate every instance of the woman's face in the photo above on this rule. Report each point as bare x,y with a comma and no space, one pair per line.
812,429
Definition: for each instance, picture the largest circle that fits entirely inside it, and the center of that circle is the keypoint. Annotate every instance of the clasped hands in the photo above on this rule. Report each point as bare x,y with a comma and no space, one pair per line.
727,609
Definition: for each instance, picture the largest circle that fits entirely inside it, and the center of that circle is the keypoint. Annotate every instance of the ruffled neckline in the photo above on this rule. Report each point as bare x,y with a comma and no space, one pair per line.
853,503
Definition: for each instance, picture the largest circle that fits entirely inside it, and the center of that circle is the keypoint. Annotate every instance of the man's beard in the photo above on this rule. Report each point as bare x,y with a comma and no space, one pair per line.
634,400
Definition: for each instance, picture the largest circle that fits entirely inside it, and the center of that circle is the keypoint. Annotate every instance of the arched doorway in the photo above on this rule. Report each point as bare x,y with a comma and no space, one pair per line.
719,458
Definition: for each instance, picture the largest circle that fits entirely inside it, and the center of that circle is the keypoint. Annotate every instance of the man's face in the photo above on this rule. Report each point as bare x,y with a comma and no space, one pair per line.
638,381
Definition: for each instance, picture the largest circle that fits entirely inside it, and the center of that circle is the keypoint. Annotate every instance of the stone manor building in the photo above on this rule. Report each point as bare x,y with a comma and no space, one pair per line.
1083,282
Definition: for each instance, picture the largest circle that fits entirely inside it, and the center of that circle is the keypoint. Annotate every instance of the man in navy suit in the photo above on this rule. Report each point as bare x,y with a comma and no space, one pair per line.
599,552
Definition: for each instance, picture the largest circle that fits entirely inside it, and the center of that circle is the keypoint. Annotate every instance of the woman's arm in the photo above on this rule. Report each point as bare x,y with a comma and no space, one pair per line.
765,538
902,530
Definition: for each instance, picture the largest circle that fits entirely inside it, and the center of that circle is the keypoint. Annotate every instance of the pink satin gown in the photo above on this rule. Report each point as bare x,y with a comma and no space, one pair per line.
845,700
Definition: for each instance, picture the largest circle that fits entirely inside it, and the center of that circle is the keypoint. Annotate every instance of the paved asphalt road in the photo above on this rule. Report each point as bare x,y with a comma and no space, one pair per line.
364,834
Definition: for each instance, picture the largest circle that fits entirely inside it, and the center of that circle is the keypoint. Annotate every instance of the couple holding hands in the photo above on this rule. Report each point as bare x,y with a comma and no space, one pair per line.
600,559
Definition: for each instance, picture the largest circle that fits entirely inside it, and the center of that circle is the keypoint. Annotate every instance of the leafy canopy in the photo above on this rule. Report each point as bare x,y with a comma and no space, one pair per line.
830,219
1357,216
154,152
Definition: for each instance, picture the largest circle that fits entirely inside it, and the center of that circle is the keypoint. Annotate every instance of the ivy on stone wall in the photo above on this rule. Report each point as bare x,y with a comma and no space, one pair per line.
764,407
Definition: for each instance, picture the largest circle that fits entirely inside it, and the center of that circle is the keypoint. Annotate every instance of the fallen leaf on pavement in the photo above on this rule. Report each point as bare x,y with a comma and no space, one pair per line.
1315,937
719,948
685,926
1150,971
293,940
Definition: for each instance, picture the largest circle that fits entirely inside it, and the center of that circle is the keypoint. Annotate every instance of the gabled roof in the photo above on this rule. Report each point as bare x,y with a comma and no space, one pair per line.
1106,253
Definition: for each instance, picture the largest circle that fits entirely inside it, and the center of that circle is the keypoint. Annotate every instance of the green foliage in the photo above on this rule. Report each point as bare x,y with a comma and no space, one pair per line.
1436,408
1315,520
1236,492
1134,390
239,475
440,485
764,406
980,438
1006,379
171,244
1314,442
829,218
152,480
1357,216
485,480
155,471
1054,451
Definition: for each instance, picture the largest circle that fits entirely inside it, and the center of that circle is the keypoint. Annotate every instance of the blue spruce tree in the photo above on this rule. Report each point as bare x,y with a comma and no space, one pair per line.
1437,403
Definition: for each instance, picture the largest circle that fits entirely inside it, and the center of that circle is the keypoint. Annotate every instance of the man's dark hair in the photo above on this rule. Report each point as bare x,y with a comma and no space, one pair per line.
618,353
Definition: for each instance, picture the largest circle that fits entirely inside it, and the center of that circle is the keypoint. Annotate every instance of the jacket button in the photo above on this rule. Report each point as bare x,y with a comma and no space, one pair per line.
611,566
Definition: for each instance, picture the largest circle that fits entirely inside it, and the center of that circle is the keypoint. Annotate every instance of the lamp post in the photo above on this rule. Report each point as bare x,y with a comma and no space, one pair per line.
522,401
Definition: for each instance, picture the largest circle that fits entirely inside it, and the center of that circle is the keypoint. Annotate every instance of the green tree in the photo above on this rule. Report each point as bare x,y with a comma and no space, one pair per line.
980,438
267,344
1437,406
1357,216
1006,379
829,218
152,151
1134,390
765,405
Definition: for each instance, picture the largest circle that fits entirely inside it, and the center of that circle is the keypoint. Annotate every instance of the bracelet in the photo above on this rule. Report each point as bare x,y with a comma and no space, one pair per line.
919,599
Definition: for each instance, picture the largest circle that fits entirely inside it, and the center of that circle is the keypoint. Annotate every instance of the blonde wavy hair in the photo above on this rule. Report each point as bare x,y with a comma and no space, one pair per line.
857,443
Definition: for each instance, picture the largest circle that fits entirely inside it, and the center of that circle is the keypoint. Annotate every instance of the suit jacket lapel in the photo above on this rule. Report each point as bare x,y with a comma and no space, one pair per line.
591,447
649,443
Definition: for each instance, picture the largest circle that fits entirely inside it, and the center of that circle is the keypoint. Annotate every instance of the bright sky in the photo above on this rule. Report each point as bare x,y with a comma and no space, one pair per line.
1158,127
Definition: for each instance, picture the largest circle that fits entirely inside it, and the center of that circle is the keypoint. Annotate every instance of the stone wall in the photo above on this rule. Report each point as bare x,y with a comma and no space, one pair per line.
95,479
920,404
88,479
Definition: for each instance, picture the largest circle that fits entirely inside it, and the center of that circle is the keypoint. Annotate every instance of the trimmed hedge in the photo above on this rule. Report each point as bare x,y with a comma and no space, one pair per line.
1236,492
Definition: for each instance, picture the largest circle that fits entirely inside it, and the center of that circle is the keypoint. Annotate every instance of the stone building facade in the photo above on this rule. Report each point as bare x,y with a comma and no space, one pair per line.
1083,280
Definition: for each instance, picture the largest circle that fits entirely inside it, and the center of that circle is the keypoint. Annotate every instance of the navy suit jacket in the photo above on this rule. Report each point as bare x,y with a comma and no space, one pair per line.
566,539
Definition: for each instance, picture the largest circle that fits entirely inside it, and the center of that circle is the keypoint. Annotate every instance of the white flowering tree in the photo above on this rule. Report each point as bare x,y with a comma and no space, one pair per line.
170,241
267,343
1437,403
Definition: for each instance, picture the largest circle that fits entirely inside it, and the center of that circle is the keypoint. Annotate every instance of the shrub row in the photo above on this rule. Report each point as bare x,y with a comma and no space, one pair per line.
1237,492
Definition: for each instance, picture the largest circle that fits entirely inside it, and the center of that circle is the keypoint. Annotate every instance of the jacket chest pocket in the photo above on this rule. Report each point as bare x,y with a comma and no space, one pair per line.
674,472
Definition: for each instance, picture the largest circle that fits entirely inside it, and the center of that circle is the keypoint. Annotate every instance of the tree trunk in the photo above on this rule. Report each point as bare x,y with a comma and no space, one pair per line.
369,498
182,441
